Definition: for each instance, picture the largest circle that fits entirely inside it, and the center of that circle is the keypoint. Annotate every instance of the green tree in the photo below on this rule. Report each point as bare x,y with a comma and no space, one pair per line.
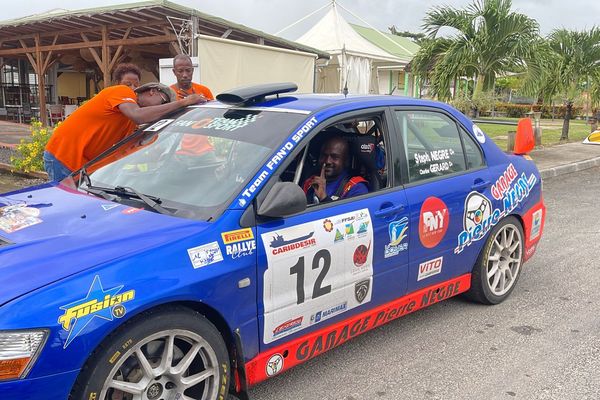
568,64
418,38
487,39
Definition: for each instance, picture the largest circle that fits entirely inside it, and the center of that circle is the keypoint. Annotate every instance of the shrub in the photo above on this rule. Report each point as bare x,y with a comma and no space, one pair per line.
30,152
519,110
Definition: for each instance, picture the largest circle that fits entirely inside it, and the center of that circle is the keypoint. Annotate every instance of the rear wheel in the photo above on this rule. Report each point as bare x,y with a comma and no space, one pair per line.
171,354
499,264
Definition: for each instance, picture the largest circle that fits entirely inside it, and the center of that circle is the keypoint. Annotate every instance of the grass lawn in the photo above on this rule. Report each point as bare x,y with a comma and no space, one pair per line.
551,130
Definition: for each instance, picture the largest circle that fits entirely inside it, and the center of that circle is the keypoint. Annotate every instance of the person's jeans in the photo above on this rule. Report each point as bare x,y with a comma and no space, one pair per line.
55,169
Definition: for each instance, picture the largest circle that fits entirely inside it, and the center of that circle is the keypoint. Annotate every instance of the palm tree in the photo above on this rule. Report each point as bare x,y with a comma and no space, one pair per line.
488,39
568,64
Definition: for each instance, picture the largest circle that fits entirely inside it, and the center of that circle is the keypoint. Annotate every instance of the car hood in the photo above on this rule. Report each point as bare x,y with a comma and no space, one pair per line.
50,232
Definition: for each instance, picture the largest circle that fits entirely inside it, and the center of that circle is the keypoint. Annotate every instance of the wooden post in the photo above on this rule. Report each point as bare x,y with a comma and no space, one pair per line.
105,57
41,80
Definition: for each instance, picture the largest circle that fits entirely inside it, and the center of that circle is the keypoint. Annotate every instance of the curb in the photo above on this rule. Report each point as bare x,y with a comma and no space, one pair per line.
32,175
569,168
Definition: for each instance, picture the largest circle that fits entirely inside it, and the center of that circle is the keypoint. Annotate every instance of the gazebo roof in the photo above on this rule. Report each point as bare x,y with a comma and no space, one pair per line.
144,20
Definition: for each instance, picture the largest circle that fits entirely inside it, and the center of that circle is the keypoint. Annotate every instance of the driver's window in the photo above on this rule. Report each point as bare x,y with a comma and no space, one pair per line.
345,159
432,143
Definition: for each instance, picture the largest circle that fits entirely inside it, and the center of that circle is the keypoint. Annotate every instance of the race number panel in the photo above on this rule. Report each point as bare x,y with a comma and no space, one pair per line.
315,271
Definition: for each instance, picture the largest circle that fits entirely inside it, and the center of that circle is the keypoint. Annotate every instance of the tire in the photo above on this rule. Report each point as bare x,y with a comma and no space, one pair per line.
498,267
166,354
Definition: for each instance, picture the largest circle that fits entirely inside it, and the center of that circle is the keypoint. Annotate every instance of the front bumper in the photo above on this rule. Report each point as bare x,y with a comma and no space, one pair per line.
55,387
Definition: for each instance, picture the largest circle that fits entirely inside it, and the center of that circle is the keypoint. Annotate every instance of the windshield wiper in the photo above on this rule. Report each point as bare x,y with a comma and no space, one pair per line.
151,201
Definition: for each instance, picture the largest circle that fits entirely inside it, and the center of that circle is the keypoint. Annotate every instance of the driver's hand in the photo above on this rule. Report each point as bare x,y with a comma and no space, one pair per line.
319,184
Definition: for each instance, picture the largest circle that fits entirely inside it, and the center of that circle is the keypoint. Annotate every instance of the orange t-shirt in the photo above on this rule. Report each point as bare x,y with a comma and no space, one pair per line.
196,88
194,144
92,128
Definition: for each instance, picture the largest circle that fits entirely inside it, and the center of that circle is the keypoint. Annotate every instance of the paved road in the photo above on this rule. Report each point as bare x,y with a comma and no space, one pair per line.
542,343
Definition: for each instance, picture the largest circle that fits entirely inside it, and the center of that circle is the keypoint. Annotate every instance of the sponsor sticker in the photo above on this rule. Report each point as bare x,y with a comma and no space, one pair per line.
480,218
536,224
241,249
281,244
327,313
479,134
131,210
274,365
204,255
503,183
312,271
288,326
397,232
16,217
104,304
237,235
430,268
158,125
361,290
433,222
338,236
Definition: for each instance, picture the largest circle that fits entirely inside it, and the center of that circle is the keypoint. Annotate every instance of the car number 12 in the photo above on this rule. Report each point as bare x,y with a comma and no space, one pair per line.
315,271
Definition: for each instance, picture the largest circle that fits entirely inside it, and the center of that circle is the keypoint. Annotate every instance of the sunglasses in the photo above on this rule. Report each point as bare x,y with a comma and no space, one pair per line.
163,96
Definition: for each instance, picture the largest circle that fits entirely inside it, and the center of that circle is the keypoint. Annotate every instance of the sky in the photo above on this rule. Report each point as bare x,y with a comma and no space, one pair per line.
272,16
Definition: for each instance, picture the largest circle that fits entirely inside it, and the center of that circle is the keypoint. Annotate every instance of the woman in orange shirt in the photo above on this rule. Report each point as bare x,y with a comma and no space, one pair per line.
105,119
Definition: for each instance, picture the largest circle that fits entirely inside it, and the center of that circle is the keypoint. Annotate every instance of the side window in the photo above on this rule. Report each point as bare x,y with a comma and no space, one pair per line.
472,151
345,159
432,144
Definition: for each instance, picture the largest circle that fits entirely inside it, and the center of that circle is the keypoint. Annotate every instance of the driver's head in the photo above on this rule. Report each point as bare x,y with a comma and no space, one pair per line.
335,155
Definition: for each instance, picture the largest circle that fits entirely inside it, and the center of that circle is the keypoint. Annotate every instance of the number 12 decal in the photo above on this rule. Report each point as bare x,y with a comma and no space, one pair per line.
313,270
318,289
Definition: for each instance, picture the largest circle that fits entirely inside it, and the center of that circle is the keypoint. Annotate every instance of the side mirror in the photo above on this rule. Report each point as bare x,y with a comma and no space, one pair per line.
524,140
284,198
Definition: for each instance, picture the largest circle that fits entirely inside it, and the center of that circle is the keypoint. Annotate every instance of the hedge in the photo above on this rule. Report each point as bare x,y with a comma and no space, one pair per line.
520,110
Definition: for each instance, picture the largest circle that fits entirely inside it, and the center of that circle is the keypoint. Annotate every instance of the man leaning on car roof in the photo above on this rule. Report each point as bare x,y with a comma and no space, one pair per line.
105,119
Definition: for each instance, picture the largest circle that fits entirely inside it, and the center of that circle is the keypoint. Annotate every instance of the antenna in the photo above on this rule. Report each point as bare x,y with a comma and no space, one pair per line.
345,91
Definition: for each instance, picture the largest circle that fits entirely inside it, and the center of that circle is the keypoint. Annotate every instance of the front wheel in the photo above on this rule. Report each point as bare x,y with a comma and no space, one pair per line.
170,354
499,264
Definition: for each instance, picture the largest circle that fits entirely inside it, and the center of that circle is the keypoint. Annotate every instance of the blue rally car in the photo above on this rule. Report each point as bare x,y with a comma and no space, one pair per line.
226,244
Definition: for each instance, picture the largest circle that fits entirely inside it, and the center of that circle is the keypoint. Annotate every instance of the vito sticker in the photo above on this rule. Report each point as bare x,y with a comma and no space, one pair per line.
104,304
315,270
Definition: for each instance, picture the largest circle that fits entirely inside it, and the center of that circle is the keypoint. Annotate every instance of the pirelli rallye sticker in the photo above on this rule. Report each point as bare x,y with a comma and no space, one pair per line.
316,271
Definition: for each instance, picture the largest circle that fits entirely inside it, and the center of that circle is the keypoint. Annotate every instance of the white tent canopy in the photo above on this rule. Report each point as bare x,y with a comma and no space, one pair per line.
355,59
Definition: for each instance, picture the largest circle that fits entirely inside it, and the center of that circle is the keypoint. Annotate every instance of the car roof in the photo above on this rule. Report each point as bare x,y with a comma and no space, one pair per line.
313,102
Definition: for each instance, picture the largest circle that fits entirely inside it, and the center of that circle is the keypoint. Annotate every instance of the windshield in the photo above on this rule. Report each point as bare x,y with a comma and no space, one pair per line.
194,165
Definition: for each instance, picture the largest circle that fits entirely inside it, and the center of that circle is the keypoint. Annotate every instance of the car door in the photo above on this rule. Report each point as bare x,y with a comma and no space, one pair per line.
331,261
444,170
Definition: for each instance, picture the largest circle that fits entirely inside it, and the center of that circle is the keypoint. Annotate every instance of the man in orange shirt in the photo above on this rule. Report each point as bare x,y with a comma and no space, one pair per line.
192,145
183,70
105,119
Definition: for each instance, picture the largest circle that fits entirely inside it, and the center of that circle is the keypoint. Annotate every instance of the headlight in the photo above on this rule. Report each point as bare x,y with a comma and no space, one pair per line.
18,351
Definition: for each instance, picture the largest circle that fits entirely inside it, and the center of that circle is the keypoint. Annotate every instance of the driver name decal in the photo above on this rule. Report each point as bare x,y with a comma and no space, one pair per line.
279,156
315,271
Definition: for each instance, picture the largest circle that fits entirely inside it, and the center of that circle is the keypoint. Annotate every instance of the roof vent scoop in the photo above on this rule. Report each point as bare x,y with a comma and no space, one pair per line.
247,95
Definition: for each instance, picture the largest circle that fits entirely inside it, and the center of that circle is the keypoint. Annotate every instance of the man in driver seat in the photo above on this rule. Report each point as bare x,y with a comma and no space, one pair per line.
335,180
